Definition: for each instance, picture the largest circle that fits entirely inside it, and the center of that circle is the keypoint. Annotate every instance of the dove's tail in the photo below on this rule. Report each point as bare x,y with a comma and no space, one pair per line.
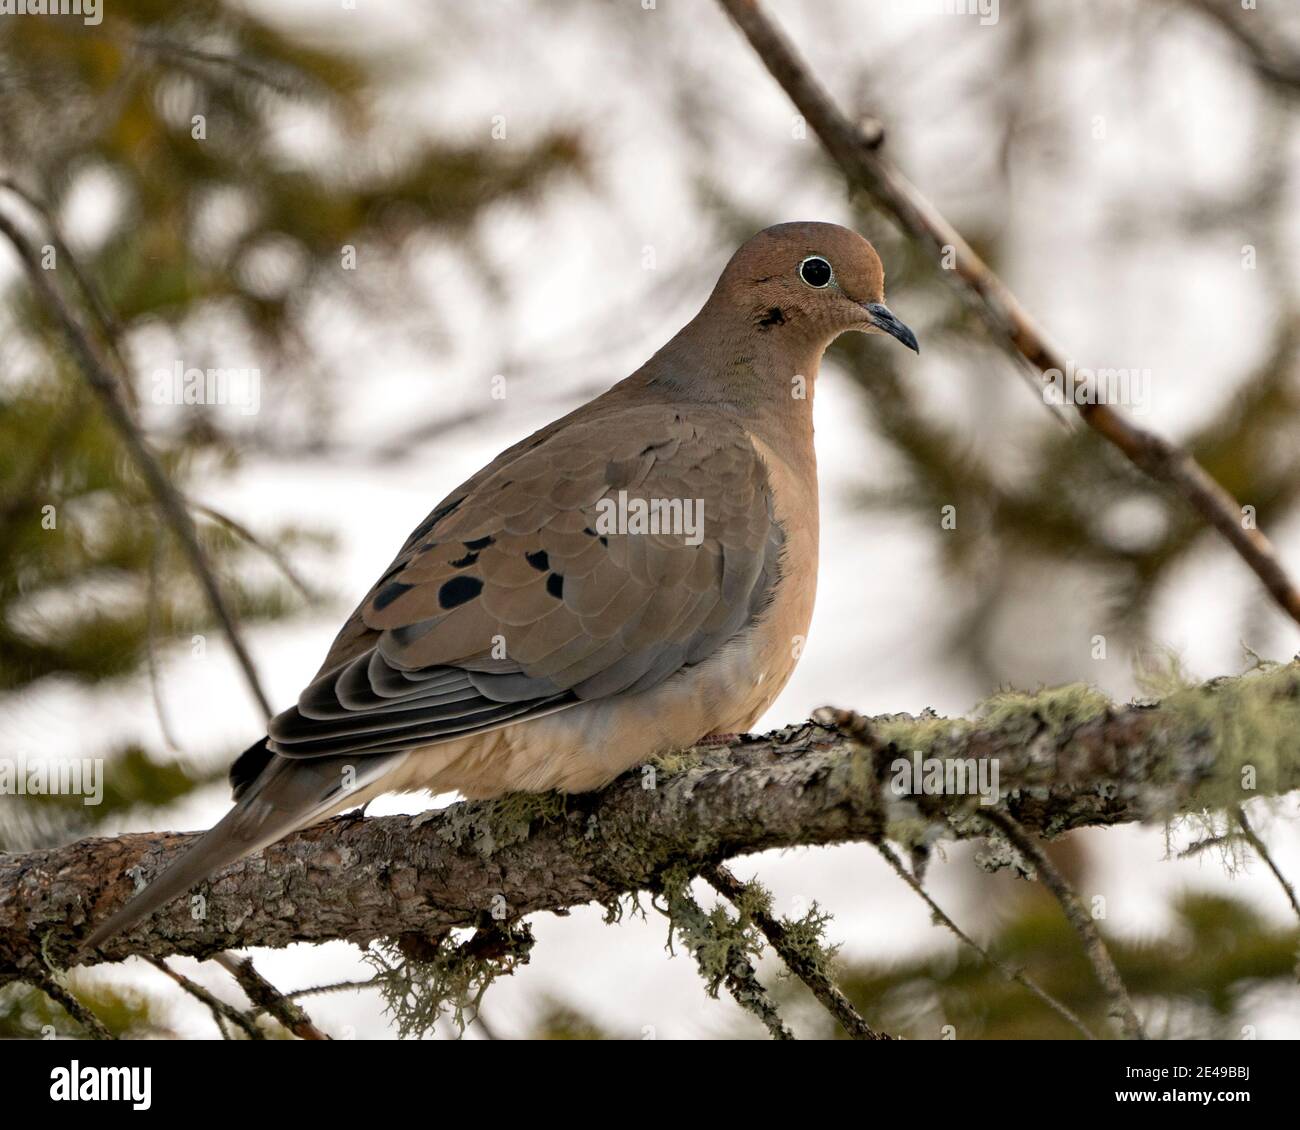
284,796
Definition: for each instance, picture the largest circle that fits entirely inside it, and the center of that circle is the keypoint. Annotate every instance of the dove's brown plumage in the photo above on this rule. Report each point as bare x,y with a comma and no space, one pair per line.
517,642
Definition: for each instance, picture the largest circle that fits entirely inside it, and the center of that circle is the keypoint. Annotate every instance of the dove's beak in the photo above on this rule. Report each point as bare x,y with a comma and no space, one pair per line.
880,316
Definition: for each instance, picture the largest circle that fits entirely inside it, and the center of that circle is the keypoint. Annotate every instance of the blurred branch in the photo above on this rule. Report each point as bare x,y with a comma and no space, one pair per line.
1009,972
857,152
1271,58
277,558
267,998
186,56
170,503
1066,758
1093,945
1261,849
72,1005
155,598
89,288
220,1009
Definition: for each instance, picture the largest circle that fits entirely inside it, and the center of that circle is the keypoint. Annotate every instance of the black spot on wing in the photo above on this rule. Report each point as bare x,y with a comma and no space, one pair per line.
389,593
459,590
479,543
555,586
464,562
539,560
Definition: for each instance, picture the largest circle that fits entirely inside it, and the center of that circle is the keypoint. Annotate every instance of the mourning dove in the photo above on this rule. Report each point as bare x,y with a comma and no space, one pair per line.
636,576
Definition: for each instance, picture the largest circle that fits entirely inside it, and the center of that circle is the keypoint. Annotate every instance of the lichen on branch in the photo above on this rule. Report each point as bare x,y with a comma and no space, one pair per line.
1066,758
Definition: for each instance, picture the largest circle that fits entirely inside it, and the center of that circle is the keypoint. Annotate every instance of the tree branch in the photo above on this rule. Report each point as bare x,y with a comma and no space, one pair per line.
1261,849
267,998
221,1010
857,152
809,968
1065,758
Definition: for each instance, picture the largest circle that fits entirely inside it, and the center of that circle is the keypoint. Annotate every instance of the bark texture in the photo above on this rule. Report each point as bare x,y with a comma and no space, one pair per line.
1066,758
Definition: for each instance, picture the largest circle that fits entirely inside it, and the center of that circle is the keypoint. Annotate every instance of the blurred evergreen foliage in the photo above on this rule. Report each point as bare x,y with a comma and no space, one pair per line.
1192,982
191,220
1200,979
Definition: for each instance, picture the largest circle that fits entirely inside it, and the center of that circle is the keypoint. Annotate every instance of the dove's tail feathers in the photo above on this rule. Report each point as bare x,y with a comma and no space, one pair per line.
249,766
283,797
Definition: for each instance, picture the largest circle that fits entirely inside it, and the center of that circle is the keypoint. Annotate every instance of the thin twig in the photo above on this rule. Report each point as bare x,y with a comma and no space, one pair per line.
170,503
185,55
857,152
155,675
1008,971
221,1010
47,983
268,998
803,967
1206,844
1102,963
1261,849
277,558
90,290
337,987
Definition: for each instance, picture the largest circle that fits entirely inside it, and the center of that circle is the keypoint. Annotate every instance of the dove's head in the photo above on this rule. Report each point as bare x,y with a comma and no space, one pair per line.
810,282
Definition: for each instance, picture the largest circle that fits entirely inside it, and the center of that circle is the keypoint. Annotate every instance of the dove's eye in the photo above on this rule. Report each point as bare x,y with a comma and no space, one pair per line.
815,271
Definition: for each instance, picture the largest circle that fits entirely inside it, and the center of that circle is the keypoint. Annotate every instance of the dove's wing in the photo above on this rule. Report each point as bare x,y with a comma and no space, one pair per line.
517,597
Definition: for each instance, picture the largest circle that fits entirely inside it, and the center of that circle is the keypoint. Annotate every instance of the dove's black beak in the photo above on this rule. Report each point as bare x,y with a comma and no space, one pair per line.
883,319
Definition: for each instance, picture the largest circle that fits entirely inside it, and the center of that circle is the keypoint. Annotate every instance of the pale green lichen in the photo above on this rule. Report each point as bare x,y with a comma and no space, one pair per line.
1247,724
1250,726
1222,742
1054,708
675,761
717,941
723,948
805,943
1058,708
510,819
418,992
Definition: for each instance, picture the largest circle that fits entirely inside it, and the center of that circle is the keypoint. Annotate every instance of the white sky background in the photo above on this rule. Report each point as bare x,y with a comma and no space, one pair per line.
578,310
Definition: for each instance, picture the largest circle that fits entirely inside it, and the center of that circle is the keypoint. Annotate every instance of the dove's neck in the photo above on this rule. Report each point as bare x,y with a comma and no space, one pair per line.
762,374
